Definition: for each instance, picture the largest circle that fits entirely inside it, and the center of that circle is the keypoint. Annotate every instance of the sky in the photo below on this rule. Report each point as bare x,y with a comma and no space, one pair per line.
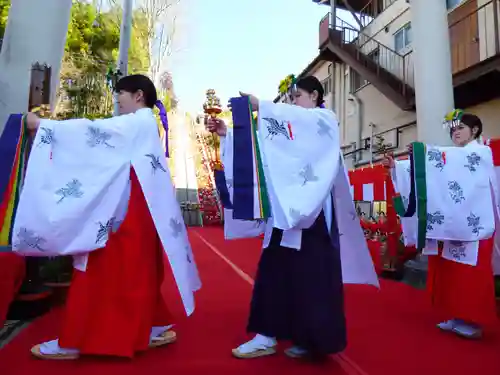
247,45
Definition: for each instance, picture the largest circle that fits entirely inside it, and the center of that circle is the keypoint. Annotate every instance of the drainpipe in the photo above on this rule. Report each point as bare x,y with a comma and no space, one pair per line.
359,112
372,129
333,14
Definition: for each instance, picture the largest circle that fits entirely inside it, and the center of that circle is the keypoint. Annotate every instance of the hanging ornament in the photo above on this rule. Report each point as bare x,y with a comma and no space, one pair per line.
212,108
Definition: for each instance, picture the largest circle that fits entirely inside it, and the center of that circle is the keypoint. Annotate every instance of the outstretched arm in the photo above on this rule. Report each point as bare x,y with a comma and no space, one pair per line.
301,154
113,123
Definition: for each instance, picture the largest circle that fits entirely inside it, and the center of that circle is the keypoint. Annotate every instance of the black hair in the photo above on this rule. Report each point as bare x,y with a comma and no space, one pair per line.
472,121
311,84
136,82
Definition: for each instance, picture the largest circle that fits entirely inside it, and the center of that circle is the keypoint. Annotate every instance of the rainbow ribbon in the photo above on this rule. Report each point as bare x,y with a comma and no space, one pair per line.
14,149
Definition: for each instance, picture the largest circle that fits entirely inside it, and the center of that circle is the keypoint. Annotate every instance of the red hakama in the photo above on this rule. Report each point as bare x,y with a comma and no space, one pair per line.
112,307
464,292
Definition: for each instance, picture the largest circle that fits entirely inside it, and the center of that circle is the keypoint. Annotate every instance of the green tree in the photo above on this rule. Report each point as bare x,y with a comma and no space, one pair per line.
4,14
91,50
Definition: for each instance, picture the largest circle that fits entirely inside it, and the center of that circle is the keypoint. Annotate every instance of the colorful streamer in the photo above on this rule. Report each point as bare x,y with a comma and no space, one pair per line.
418,194
14,150
250,200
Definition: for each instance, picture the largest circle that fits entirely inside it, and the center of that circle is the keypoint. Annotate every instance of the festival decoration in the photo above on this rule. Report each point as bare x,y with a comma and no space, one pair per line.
209,205
287,83
286,86
453,119
212,108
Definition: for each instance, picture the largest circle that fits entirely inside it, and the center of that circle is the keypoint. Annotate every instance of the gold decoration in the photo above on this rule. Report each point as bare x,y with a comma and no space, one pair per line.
212,108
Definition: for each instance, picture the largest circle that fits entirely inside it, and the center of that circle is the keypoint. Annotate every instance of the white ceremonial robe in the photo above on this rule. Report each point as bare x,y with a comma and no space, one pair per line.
77,187
303,169
462,195
459,199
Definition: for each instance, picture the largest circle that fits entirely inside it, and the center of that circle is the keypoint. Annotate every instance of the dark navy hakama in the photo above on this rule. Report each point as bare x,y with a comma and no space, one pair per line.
298,295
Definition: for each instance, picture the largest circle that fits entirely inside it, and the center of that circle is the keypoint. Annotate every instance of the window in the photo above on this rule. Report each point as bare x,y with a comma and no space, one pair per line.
402,38
356,81
452,4
326,86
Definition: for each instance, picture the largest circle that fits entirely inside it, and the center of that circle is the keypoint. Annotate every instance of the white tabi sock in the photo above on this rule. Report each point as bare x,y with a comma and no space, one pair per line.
157,331
448,325
298,351
467,330
259,342
52,347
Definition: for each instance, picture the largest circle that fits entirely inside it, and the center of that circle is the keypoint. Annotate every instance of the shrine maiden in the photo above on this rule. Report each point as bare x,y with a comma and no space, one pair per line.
101,191
298,291
460,278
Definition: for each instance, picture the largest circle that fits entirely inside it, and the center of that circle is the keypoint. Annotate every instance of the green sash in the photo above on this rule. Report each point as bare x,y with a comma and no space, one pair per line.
417,203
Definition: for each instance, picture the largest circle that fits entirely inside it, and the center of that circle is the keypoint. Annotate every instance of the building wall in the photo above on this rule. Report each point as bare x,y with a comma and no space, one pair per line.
366,109
341,107
384,27
489,113
322,73
380,115
387,23
486,28
367,112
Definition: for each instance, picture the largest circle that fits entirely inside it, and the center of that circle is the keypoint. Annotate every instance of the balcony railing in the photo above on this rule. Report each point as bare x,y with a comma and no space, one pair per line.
371,10
401,66
474,38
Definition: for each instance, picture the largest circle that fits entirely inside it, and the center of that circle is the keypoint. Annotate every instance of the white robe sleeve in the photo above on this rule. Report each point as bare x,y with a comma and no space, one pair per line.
301,156
401,176
402,184
357,264
77,175
227,153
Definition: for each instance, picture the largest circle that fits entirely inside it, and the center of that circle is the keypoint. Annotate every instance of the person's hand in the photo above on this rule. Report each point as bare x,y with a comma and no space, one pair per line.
32,122
216,125
388,161
254,101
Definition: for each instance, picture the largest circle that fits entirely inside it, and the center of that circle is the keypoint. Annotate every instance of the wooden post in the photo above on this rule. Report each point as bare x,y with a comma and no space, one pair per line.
495,26
39,95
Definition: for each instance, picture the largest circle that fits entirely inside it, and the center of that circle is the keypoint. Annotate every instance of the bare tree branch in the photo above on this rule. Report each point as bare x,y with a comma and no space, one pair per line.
161,27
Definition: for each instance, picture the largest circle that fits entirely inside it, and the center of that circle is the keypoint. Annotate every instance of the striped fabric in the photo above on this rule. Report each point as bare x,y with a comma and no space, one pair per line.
418,194
222,190
250,201
13,151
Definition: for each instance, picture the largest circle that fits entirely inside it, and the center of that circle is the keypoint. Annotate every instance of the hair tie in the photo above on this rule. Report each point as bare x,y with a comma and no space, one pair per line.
164,121
322,105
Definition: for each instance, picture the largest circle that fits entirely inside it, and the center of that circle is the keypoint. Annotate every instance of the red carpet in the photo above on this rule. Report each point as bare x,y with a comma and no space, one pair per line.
390,331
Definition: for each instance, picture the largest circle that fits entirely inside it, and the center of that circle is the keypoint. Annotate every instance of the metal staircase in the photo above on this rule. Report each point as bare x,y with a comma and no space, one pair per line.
390,72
